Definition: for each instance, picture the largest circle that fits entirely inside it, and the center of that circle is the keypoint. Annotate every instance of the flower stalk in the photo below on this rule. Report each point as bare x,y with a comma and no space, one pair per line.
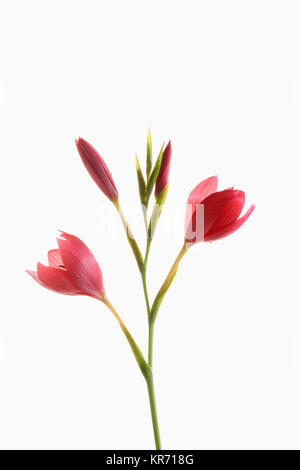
142,363
130,237
153,409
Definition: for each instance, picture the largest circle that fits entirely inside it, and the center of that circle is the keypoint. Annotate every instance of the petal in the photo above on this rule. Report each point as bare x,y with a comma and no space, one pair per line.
215,206
54,258
56,279
196,196
194,226
206,213
225,231
81,265
230,212
203,190
35,276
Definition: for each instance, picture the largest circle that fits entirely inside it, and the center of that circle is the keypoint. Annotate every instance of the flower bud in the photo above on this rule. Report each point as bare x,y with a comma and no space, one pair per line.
72,270
219,214
163,175
97,168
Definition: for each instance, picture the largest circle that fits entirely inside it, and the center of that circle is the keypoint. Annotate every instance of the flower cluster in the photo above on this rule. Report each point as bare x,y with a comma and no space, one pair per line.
210,216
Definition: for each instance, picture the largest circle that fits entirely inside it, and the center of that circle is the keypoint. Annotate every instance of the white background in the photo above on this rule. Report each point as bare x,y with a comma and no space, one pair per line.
222,80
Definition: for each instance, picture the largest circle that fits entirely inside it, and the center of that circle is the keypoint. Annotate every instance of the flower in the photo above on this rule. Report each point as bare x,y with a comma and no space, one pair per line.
163,174
72,269
97,168
211,215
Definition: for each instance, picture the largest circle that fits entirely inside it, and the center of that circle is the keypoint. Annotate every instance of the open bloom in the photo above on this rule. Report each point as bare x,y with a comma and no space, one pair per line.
97,168
212,214
163,174
72,269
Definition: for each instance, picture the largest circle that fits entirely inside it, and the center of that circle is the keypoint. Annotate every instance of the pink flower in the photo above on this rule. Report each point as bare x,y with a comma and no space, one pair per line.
97,168
163,174
72,269
212,215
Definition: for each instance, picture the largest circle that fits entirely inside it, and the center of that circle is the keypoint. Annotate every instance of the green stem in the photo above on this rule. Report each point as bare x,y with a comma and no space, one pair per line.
151,321
152,401
165,286
144,270
145,369
147,251
150,343
144,281
149,377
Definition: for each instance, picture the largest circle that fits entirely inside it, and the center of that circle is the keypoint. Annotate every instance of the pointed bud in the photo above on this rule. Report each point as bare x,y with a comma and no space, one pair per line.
141,181
213,214
163,175
149,155
97,168
153,175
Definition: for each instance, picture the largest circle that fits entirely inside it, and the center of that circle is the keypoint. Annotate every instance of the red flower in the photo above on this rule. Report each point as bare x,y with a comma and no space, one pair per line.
212,215
163,174
72,269
97,168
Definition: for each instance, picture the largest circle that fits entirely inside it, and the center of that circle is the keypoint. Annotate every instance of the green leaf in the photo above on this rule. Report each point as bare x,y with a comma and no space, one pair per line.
159,298
135,248
149,155
153,175
137,352
141,181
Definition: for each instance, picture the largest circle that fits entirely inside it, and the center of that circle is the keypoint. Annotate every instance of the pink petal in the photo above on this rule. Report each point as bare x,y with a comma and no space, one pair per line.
203,190
230,212
56,279
54,258
225,231
196,196
212,207
215,205
81,265
35,276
